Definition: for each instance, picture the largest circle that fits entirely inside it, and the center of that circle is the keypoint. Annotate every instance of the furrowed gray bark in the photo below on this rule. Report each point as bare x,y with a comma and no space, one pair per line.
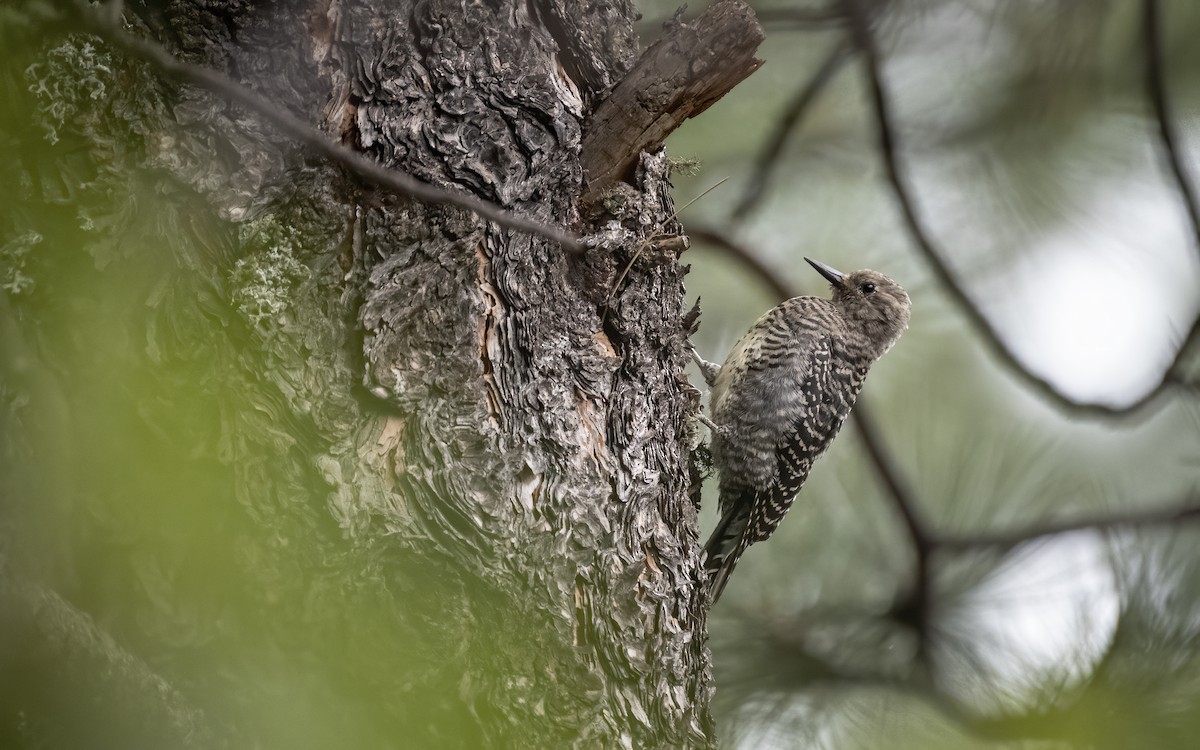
485,439
573,504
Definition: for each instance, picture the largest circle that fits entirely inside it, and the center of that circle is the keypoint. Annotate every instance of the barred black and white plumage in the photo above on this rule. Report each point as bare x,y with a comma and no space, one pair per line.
783,394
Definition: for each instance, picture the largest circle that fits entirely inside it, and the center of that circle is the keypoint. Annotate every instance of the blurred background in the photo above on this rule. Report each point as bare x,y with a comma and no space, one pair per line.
1032,155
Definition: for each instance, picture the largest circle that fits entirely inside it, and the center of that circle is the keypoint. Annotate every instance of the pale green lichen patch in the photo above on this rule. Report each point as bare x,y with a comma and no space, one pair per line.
14,255
265,282
74,76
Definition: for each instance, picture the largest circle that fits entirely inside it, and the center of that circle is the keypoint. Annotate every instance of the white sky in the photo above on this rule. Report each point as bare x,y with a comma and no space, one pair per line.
1051,608
1100,308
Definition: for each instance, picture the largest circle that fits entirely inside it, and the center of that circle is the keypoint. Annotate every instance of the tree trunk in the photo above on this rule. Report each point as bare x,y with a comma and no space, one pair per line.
333,466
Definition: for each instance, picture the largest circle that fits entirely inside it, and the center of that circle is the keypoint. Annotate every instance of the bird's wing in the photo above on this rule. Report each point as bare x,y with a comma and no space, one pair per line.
823,407
769,367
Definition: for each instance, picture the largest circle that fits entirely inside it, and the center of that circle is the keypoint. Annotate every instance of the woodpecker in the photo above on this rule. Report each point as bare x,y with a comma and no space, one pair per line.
783,394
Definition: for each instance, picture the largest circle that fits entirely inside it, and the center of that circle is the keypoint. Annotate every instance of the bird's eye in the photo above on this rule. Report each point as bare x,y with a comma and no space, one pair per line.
868,288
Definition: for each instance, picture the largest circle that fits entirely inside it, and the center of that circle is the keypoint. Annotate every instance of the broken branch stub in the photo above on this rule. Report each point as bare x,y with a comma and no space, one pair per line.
690,67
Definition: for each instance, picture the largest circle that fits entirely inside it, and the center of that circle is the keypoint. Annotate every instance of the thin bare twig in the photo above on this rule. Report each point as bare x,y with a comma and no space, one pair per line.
1156,88
780,19
801,19
913,607
889,150
650,242
767,160
99,21
748,259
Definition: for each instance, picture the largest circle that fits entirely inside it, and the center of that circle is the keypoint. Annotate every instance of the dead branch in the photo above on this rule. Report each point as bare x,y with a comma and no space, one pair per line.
682,74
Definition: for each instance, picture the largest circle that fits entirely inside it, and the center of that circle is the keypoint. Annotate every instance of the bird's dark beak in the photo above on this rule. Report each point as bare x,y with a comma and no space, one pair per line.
833,275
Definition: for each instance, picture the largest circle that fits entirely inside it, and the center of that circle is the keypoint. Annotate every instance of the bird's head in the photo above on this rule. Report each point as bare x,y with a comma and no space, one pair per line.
874,306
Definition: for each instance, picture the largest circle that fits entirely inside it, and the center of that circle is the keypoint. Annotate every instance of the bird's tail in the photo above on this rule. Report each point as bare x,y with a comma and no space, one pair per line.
724,548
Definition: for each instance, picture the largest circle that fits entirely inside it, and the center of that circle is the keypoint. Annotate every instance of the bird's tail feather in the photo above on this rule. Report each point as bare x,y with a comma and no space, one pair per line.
724,548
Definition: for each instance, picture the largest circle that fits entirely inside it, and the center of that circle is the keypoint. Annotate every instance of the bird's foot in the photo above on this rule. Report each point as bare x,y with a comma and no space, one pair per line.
709,370
711,425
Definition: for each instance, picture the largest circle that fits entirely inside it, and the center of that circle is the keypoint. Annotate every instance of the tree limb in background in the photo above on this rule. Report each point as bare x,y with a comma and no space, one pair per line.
743,256
1156,88
106,24
1185,512
913,607
889,150
768,160
784,645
